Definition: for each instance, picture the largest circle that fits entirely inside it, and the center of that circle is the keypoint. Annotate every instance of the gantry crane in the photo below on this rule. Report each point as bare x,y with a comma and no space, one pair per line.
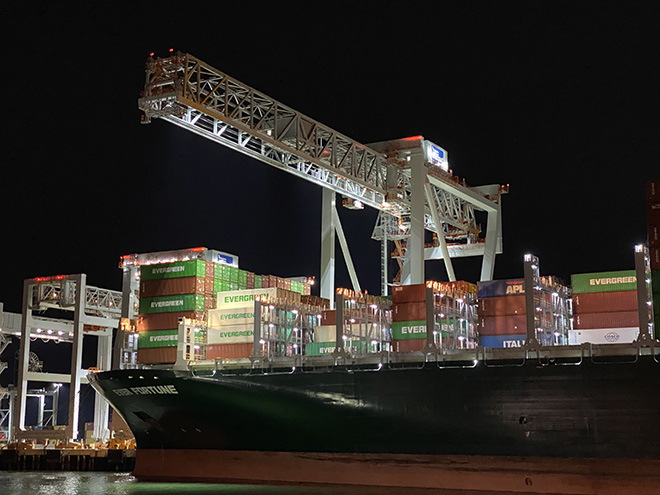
407,180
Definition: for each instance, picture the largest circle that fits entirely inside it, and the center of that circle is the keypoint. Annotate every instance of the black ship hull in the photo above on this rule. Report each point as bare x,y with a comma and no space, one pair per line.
594,413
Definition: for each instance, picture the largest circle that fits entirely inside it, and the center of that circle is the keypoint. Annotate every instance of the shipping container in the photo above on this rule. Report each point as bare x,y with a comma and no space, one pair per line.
166,321
176,269
503,325
231,334
170,304
603,335
604,302
408,345
409,311
408,293
501,306
329,317
503,341
244,298
158,338
157,355
604,282
653,191
320,348
500,288
229,351
654,235
404,330
655,281
217,318
654,254
653,213
622,319
172,286
257,282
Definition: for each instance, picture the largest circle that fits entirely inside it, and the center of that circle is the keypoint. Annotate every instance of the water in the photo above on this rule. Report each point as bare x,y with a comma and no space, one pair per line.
97,483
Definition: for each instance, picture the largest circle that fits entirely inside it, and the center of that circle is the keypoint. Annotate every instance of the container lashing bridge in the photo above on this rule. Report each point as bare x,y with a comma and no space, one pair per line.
407,180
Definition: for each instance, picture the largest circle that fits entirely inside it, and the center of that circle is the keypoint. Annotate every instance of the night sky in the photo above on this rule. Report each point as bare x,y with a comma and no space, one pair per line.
558,99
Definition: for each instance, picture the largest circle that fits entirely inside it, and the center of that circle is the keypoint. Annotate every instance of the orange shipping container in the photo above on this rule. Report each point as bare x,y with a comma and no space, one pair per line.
502,306
503,325
621,319
172,286
166,321
412,311
605,302
229,351
653,191
408,293
654,235
156,355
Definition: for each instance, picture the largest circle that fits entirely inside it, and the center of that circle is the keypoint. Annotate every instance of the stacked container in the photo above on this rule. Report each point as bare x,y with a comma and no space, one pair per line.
502,314
168,292
653,219
408,317
605,308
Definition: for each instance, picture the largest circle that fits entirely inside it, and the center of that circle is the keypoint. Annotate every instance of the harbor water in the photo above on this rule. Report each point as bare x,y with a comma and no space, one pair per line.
98,483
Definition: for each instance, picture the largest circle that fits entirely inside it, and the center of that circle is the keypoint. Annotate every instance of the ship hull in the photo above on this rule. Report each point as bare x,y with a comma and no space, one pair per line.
588,415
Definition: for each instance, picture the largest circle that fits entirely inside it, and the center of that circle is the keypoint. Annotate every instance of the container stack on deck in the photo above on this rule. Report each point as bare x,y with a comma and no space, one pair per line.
454,305
653,218
605,307
169,291
501,309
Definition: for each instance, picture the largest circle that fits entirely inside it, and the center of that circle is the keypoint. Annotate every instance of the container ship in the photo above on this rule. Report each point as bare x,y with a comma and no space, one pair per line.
258,381
510,386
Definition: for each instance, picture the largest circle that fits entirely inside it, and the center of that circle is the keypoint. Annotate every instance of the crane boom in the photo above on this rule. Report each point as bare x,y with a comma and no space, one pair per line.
186,91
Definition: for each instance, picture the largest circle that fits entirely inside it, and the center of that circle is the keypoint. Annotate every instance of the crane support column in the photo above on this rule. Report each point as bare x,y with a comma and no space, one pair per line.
76,355
344,250
415,247
493,241
101,406
328,246
643,292
23,359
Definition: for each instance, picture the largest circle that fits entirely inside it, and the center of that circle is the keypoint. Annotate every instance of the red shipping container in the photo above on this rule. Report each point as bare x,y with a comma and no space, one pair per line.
412,311
407,345
620,319
501,306
653,191
605,302
156,355
229,351
210,269
654,235
408,293
503,325
653,213
172,286
166,321
654,253
329,317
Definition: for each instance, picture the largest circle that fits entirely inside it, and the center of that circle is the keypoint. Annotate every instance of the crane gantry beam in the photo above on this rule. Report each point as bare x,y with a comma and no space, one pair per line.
187,92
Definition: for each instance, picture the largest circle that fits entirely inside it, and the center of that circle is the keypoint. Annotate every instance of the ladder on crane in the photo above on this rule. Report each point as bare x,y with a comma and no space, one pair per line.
407,179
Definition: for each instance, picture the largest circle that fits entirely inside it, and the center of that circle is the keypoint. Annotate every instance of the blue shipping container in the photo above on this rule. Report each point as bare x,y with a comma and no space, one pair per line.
500,288
502,341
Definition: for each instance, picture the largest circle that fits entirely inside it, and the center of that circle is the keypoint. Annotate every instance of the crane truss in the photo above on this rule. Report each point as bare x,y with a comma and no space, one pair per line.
185,91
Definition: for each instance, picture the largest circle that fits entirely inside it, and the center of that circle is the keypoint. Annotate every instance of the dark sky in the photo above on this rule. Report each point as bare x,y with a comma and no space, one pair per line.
559,99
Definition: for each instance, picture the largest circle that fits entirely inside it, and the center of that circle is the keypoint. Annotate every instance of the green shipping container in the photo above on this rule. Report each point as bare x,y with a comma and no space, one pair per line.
402,330
170,304
158,338
655,281
319,348
177,269
257,282
584,283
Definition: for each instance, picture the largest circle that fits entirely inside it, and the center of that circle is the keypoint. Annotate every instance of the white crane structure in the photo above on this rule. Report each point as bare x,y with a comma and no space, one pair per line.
407,180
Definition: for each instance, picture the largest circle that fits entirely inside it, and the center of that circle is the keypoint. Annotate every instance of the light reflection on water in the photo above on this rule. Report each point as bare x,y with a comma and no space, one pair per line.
91,483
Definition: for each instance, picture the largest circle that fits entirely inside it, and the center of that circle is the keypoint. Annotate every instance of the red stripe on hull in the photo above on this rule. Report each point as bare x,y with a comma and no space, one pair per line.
520,475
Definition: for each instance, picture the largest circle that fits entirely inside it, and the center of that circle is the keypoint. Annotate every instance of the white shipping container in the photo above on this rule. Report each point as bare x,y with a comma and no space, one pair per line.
603,335
328,333
233,334
217,318
242,298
